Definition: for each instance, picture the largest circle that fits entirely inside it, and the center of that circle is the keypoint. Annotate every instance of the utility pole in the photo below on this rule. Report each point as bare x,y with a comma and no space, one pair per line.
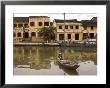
64,33
64,27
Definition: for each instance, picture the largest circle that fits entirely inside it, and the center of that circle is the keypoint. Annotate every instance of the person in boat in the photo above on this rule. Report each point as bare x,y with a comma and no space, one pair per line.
60,56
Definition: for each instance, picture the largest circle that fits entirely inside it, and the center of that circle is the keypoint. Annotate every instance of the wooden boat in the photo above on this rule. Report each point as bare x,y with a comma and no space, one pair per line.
67,64
23,66
68,71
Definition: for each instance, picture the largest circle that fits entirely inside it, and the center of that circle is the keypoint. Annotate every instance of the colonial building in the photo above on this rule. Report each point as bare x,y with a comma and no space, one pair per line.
68,30
26,29
73,30
21,25
89,28
36,23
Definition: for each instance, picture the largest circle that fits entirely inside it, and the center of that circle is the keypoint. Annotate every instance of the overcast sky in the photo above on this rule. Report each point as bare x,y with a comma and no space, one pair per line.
78,16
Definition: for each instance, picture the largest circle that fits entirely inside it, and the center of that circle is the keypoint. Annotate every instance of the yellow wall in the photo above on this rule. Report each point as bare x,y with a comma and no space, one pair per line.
73,31
31,28
36,20
35,29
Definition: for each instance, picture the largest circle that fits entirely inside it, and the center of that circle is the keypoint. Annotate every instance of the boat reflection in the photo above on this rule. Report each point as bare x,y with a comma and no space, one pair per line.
68,71
42,60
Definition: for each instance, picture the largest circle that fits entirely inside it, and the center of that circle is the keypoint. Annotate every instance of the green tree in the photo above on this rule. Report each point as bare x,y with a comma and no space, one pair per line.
48,33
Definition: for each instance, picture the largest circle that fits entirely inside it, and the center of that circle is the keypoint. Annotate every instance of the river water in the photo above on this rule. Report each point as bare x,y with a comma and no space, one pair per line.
42,60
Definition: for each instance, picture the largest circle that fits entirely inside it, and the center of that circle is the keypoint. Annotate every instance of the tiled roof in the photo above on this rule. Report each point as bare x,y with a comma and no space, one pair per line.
92,22
89,23
39,17
62,21
21,19
94,19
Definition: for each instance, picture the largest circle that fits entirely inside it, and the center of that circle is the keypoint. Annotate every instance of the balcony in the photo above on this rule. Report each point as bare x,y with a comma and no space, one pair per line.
77,30
18,28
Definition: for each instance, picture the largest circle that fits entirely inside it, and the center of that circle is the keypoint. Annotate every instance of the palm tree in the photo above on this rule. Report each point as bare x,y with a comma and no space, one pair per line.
48,33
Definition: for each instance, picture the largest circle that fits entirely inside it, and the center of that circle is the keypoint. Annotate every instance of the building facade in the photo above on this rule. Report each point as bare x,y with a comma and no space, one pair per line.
21,24
26,29
35,24
75,31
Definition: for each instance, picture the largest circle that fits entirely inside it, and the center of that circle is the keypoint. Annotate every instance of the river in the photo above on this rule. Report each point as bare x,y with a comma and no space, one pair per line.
42,60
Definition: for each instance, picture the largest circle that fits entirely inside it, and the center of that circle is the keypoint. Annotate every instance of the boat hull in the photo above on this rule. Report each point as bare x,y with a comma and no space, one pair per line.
68,66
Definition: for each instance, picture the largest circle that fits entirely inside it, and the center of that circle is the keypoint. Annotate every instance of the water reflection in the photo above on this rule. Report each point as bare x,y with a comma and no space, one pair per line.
42,60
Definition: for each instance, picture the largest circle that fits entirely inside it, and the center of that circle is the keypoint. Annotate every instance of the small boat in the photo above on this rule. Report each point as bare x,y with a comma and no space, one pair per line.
23,66
67,64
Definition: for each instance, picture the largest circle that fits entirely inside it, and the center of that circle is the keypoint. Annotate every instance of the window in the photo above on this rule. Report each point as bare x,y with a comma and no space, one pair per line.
15,25
20,25
66,27
92,27
19,34
76,36
33,33
77,27
85,35
26,25
40,24
85,27
91,35
32,24
71,27
61,36
14,34
46,23
60,27
69,36
26,35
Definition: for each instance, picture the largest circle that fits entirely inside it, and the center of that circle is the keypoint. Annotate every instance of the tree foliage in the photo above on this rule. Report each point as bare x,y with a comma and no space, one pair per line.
47,32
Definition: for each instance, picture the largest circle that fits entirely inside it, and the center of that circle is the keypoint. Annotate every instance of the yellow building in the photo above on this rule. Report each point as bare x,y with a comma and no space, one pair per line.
35,23
68,30
21,25
26,28
73,30
89,28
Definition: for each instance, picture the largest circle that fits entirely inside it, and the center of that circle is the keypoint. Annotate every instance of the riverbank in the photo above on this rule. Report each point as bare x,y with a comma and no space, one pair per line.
76,45
37,44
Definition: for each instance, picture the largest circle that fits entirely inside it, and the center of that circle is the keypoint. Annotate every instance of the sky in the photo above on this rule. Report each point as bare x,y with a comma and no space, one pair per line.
78,16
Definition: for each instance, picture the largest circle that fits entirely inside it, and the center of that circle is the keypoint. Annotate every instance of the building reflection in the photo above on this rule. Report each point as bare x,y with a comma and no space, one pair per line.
37,57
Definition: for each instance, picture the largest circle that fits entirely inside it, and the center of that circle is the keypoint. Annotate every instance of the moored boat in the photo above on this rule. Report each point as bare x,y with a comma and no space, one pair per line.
67,64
